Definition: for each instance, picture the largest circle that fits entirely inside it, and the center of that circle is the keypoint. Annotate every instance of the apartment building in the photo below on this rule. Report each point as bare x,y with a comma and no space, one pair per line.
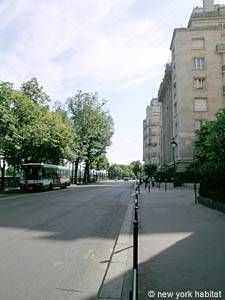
166,120
151,134
197,76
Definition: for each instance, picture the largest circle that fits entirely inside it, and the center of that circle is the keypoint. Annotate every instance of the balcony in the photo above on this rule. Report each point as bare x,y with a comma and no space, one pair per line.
223,68
220,48
208,14
155,123
224,90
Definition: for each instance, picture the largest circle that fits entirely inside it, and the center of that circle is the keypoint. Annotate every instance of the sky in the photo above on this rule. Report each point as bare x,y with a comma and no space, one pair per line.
117,48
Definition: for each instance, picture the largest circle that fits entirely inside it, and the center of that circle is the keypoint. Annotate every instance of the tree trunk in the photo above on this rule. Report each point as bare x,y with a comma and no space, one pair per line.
86,172
85,175
88,175
76,169
72,176
14,172
3,176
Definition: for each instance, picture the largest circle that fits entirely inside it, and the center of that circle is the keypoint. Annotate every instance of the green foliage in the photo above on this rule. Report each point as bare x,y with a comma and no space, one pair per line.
34,92
100,163
93,126
30,132
49,138
209,164
137,168
210,142
9,135
150,170
117,171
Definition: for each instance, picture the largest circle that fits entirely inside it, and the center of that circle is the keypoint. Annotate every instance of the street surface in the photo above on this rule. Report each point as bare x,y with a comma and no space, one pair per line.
57,245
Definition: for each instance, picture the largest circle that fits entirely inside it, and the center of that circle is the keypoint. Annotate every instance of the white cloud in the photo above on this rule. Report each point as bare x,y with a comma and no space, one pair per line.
74,41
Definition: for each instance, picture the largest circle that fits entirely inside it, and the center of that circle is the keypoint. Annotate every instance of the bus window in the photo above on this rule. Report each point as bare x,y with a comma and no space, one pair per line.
31,173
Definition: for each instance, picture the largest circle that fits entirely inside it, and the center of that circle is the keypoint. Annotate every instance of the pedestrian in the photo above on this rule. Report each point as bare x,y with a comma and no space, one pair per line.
146,183
149,185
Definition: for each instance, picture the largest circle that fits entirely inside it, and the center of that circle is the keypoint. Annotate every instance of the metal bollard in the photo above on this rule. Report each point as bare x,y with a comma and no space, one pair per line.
195,191
134,292
137,189
136,194
135,260
136,210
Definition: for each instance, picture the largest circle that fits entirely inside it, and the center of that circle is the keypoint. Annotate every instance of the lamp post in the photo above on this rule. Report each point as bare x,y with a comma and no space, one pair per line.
174,145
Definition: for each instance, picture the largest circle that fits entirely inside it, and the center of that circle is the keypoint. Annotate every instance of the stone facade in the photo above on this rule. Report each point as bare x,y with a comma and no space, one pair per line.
197,78
165,98
151,134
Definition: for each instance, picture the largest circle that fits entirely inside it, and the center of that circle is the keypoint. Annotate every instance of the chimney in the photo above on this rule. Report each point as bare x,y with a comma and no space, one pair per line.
208,5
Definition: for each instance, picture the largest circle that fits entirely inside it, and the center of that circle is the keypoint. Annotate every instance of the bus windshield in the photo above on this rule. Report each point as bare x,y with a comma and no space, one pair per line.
31,172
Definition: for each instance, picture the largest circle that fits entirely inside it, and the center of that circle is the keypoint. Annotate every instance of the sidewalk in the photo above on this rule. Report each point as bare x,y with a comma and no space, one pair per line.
181,247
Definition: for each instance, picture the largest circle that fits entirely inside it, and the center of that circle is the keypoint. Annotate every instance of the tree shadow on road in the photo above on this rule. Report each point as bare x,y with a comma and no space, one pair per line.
182,252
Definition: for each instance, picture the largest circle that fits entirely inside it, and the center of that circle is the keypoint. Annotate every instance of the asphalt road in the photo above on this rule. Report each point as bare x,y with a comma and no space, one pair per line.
57,245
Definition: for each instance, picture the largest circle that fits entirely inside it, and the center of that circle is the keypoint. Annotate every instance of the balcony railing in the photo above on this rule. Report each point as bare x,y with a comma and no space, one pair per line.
220,48
209,14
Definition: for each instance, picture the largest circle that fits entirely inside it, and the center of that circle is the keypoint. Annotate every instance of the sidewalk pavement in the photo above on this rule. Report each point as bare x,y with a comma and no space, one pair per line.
181,247
181,250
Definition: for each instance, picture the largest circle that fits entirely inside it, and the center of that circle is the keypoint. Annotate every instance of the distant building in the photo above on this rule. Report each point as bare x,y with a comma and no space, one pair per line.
151,134
165,98
197,75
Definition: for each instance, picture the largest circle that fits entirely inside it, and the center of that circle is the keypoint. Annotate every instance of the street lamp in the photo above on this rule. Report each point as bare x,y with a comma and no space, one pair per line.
174,145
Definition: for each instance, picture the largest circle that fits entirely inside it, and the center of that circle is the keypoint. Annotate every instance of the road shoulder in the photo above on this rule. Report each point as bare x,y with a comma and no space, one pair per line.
115,280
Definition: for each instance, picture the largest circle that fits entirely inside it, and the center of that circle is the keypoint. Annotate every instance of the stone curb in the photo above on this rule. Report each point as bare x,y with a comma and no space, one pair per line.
212,204
114,280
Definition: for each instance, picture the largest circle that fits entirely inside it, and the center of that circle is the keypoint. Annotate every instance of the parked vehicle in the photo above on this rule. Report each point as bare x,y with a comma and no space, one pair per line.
38,176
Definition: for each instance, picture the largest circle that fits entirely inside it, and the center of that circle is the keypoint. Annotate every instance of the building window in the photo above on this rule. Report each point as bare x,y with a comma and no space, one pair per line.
200,104
199,123
198,43
175,128
173,53
199,83
174,90
175,108
199,63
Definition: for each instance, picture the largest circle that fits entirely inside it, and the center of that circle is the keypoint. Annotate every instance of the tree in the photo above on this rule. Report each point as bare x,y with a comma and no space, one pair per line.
30,132
120,171
93,126
210,140
115,172
100,163
137,168
35,92
8,130
209,157
150,170
46,136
